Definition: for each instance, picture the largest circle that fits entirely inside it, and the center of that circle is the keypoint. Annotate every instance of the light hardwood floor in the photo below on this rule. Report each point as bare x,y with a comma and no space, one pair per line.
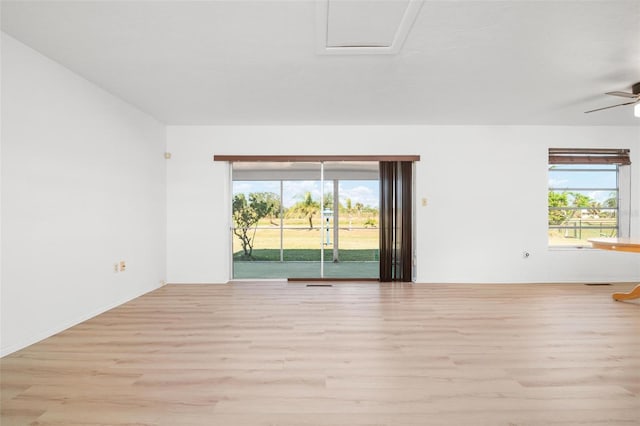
354,354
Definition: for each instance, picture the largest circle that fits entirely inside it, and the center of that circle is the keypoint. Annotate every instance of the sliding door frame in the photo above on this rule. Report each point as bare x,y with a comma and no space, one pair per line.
230,159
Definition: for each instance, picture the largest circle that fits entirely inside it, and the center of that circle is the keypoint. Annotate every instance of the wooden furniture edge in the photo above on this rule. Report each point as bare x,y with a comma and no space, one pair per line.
626,246
633,294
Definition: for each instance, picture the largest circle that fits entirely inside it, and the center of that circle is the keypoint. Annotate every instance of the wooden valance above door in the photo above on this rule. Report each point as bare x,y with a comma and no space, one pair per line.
314,158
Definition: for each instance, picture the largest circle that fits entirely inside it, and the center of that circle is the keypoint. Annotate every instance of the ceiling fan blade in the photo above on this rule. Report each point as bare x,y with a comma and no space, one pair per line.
612,106
623,94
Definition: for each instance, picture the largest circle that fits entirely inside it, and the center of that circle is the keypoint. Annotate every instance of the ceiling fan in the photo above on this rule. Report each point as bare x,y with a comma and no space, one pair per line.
635,95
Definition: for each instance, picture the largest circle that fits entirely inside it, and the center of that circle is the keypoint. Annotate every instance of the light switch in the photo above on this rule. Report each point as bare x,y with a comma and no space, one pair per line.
424,202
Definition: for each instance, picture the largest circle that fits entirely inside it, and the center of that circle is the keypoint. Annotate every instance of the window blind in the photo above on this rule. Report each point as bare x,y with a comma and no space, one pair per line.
620,157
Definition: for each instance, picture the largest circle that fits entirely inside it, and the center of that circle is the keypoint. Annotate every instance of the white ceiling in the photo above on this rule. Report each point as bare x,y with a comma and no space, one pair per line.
238,62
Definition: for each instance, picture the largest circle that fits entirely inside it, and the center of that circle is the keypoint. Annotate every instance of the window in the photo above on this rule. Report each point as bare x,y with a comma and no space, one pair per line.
588,195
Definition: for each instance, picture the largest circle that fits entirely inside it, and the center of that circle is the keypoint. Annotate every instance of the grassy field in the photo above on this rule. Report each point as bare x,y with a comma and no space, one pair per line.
303,244
580,234
344,222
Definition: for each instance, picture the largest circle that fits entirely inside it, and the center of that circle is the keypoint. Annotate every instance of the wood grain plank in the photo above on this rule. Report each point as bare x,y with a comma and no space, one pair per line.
271,353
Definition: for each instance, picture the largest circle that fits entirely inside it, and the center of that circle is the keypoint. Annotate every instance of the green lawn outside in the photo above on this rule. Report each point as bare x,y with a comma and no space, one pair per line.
301,243
305,238
309,255
579,232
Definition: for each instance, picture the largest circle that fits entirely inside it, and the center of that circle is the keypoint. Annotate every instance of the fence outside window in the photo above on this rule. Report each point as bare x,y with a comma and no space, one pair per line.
583,203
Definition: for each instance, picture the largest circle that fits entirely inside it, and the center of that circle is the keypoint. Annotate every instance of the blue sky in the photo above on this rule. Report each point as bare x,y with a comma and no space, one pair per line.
367,192
584,180
360,191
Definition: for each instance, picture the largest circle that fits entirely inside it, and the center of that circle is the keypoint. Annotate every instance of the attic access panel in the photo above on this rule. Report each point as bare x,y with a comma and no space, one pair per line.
361,24
364,26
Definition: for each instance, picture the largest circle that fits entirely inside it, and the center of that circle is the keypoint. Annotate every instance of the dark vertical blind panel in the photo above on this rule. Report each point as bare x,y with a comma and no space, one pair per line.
387,180
406,246
395,220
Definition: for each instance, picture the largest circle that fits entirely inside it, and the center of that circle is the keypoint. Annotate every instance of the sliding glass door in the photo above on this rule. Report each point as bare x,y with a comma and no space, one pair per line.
351,220
301,228
305,220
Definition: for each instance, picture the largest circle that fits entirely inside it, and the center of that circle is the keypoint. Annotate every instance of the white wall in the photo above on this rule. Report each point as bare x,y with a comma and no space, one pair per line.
498,173
83,186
